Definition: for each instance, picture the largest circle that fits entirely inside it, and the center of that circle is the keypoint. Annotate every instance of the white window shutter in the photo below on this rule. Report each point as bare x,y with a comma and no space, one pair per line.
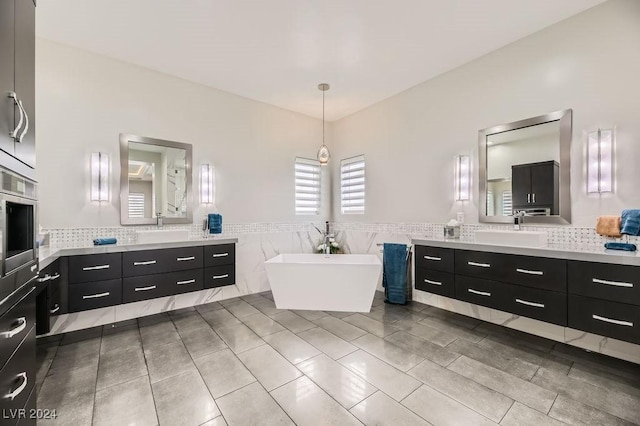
352,185
136,205
307,183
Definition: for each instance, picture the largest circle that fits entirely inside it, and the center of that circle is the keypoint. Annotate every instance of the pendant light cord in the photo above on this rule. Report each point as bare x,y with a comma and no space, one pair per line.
323,118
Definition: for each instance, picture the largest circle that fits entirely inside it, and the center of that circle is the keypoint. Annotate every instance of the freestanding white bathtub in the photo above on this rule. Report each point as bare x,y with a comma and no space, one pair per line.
337,282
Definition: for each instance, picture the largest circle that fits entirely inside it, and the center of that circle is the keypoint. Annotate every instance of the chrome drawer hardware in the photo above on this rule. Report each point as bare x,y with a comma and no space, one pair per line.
95,296
481,293
432,282
437,259
614,283
534,304
19,389
23,324
186,282
220,254
146,262
55,277
529,271
54,310
217,277
612,321
480,265
182,259
151,287
18,103
95,268
44,279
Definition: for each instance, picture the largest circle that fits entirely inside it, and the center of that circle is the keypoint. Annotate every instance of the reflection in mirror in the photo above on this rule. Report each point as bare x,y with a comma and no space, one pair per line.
524,168
155,180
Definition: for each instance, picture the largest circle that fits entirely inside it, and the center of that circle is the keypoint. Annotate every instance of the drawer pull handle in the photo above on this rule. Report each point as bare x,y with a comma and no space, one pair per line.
480,265
55,277
481,293
220,254
182,259
95,296
23,324
95,268
534,304
186,282
432,282
54,310
44,279
614,283
529,271
612,321
436,259
12,395
146,262
151,287
217,277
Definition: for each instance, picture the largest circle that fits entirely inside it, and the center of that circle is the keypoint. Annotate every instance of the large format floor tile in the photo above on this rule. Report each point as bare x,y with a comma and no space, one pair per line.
168,360
372,326
252,405
340,328
127,403
261,324
388,352
381,410
121,366
239,337
293,322
520,414
291,346
421,347
328,343
223,372
269,367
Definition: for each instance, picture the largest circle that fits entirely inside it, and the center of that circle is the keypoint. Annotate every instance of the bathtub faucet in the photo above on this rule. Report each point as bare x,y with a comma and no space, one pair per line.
327,243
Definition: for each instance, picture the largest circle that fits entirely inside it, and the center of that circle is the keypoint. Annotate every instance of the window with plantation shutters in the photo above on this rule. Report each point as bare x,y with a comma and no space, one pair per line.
136,205
352,185
307,176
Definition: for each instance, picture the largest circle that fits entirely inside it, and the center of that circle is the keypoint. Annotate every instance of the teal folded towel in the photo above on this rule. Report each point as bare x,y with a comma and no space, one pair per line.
630,222
394,272
104,241
620,246
215,223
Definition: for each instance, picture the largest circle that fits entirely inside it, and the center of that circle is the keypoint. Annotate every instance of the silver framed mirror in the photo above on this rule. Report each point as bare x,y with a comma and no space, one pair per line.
155,179
525,168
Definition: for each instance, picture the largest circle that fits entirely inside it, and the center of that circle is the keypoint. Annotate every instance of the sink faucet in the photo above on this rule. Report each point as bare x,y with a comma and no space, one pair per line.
518,219
327,243
159,220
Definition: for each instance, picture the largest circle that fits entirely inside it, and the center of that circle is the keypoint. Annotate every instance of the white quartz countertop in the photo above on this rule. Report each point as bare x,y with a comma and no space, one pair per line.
557,251
46,255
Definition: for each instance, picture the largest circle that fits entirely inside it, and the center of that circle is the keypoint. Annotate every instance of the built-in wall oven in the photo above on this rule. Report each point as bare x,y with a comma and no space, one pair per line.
18,218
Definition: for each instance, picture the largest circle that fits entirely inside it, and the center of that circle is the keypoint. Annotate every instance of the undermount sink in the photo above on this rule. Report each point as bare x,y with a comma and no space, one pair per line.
162,236
512,238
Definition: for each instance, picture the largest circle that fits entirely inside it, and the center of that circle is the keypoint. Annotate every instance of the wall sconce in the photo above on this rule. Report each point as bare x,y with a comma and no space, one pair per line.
462,177
206,184
99,176
600,161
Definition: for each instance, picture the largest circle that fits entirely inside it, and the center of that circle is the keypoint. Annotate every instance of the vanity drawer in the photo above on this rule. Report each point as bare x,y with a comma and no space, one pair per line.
434,258
15,325
619,283
94,295
479,264
611,319
94,267
478,291
18,377
436,282
543,305
218,255
160,285
536,272
147,262
219,276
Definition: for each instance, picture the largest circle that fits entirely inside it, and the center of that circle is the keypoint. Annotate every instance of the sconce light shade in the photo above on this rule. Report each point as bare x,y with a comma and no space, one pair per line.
99,176
206,184
600,161
462,177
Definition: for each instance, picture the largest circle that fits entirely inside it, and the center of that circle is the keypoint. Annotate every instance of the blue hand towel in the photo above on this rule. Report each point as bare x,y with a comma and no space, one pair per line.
104,241
394,272
630,222
620,246
215,223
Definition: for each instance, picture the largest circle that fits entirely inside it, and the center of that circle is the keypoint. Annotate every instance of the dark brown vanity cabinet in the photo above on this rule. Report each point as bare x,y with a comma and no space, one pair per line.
535,187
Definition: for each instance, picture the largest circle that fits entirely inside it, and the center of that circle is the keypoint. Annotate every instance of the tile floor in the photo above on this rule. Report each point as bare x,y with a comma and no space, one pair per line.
244,362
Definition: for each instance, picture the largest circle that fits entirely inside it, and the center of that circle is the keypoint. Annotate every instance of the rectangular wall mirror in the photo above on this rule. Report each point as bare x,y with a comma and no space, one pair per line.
155,179
525,168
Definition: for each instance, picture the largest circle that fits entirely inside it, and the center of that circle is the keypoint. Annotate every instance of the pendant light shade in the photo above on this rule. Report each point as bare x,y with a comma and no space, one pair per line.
323,153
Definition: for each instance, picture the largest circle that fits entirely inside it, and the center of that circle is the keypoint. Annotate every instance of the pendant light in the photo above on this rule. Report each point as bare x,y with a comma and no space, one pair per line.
323,153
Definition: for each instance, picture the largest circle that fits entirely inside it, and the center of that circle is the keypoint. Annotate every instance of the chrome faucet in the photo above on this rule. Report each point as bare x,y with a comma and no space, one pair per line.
159,220
327,243
518,219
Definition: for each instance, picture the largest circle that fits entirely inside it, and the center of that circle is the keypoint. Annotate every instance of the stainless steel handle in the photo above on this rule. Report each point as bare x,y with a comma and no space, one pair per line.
480,265
186,282
54,310
146,262
534,198
47,277
14,133
534,304
528,198
529,271
614,283
437,259
95,296
26,124
95,268
220,255
217,277
55,277
23,324
182,259
151,287
432,282
481,293
19,389
612,321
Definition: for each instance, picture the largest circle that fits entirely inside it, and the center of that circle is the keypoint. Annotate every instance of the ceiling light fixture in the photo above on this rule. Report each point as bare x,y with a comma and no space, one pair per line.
323,153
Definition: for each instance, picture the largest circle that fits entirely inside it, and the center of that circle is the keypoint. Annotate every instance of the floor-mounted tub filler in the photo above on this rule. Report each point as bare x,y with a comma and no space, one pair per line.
336,282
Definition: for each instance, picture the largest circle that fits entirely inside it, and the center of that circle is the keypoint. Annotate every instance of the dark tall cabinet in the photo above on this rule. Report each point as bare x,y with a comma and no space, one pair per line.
536,186
17,76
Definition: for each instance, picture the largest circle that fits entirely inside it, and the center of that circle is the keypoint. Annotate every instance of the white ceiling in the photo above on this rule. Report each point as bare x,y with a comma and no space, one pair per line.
277,51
